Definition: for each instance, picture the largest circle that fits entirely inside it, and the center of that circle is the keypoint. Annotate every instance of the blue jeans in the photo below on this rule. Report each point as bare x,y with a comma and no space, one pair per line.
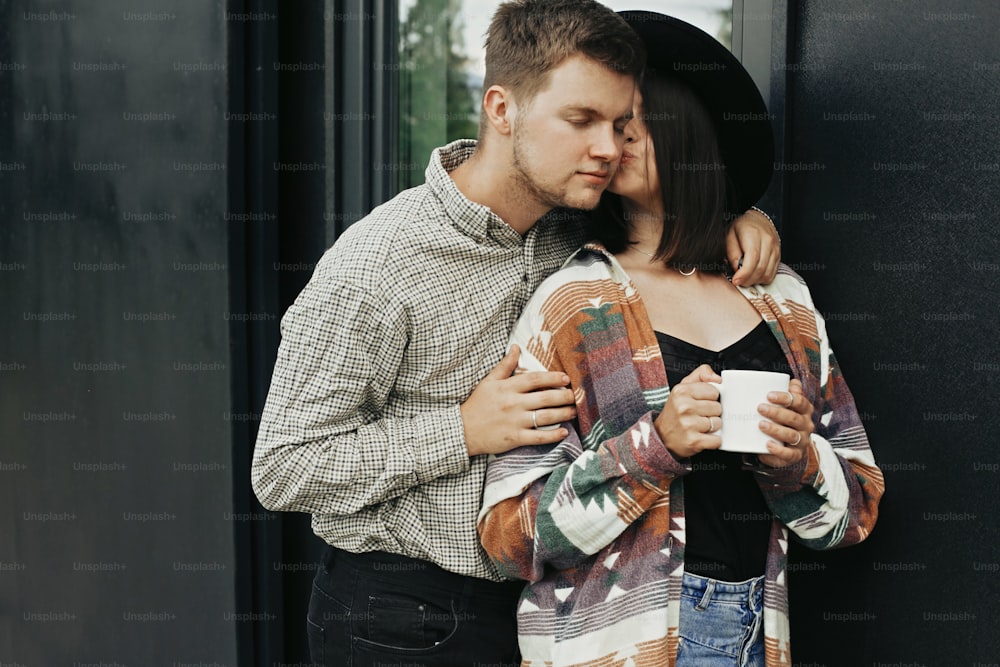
722,623
378,609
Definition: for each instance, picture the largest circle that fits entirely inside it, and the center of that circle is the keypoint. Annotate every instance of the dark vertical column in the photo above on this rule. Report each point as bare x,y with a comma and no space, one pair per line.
293,166
323,164
363,108
891,178
116,468
254,250
12,263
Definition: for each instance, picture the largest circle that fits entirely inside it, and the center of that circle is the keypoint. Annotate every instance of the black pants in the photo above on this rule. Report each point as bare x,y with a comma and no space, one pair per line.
384,610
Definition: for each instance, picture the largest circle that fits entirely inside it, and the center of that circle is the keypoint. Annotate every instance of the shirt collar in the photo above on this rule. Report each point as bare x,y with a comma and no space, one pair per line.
466,215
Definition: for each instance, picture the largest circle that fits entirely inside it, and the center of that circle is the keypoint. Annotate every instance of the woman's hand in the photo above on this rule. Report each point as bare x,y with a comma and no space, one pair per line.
792,429
691,414
754,240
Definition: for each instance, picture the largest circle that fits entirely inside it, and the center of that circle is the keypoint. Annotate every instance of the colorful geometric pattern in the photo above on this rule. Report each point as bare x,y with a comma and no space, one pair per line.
596,522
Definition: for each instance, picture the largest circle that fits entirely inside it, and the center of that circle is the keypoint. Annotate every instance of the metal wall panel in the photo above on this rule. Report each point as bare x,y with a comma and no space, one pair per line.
117,543
891,178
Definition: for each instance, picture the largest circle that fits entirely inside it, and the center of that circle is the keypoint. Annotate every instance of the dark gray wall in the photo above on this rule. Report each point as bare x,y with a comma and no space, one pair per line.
168,178
117,538
891,177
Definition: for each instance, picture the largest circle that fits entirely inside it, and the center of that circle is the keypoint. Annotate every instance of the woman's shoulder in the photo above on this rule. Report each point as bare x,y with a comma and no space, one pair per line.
593,255
582,280
787,287
587,284
589,263
788,280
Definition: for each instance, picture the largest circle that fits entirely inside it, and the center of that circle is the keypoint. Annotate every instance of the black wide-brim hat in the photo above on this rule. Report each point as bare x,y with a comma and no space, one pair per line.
727,90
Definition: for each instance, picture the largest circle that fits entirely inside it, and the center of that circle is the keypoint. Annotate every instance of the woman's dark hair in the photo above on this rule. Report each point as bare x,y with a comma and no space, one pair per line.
694,186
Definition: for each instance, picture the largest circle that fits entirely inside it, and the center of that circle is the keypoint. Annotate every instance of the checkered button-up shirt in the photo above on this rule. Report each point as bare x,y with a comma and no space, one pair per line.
401,319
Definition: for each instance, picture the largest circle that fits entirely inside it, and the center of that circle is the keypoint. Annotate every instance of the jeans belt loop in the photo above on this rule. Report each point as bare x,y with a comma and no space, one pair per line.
706,598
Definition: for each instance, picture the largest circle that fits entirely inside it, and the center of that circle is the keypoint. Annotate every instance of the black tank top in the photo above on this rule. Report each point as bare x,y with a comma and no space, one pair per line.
728,523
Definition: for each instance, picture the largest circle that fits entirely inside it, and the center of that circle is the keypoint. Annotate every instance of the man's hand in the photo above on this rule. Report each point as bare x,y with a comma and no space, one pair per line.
753,238
503,412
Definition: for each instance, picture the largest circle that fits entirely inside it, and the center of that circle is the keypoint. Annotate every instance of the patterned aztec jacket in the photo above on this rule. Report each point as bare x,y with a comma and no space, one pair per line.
596,523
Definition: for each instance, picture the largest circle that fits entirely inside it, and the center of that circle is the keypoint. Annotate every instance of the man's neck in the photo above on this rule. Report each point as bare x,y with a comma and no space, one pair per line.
488,182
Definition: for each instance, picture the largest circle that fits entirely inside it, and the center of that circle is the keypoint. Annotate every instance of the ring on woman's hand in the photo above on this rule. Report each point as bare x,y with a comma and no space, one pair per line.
534,418
798,439
791,399
711,424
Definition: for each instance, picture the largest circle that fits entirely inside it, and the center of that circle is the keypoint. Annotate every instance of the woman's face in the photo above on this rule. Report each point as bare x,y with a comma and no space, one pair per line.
636,177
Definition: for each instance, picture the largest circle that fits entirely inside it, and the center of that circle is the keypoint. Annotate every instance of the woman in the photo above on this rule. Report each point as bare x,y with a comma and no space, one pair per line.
641,541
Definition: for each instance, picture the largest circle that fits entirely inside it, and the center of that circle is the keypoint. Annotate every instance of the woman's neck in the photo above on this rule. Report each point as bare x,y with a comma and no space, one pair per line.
645,224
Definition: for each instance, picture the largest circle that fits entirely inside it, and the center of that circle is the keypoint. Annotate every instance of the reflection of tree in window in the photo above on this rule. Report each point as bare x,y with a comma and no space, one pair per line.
725,31
437,94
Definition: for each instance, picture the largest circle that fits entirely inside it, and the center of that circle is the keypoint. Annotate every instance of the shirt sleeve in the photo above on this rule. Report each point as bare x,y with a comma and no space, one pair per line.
830,498
556,505
325,444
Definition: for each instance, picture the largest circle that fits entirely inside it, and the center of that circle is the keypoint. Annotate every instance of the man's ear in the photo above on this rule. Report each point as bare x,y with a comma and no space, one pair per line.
500,109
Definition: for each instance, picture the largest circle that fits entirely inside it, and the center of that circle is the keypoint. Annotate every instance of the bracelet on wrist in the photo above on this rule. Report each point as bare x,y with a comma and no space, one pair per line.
761,211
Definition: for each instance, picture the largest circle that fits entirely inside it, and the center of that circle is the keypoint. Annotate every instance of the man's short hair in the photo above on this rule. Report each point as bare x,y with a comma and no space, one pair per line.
528,38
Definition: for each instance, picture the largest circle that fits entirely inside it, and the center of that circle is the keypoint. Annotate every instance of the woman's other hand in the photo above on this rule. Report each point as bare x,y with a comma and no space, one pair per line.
792,427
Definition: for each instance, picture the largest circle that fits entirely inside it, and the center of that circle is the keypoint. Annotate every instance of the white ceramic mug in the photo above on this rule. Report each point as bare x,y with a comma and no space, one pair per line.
740,393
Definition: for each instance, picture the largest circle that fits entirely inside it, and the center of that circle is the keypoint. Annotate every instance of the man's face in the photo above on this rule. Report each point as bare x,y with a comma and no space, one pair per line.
569,138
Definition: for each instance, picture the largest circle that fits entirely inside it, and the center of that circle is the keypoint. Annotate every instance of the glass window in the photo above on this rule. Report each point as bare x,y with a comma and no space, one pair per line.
441,67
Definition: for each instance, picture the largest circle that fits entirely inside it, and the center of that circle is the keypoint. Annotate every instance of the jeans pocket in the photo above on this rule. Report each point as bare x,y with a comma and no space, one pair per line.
719,628
404,623
316,639
328,630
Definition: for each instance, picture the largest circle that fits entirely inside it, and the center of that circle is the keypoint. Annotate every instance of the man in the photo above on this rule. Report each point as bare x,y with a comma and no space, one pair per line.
379,412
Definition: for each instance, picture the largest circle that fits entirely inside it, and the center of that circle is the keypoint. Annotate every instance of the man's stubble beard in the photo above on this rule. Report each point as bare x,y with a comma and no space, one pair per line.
527,186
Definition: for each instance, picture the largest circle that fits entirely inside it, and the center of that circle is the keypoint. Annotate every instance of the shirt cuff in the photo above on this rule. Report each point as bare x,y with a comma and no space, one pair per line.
440,449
